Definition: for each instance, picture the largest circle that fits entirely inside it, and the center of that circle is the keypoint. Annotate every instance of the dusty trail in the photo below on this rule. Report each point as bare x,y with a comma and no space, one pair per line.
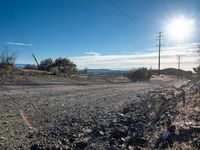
47,104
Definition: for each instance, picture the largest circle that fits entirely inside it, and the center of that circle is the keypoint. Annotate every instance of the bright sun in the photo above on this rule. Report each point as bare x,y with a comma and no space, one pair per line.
180,28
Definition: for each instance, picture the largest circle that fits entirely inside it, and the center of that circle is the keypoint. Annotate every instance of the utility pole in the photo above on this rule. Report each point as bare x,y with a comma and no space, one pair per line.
35,60
160,38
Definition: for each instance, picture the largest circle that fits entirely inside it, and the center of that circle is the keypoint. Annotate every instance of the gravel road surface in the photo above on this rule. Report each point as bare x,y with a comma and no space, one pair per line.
44,106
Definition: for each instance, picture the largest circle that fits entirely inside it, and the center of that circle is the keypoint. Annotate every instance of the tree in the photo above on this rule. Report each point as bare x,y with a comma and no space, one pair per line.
62,65
65,65
46,64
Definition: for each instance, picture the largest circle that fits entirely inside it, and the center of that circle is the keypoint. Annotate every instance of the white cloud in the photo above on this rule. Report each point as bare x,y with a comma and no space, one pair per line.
19,44
92,53
145,59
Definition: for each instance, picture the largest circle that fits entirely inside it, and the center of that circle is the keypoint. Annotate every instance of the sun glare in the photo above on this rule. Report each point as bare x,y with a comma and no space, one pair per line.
180,28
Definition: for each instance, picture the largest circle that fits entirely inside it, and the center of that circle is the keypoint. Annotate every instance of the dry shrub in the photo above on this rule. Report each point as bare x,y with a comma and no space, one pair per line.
7,58
141,74
7,61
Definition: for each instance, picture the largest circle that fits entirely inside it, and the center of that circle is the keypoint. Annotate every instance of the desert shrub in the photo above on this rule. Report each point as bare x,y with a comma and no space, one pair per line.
7,58
62,61
60,65
65,65
197,71
31,67
141,74
46,64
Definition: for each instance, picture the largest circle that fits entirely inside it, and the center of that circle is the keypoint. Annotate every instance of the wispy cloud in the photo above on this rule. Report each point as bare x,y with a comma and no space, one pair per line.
92,53
144,59
19,44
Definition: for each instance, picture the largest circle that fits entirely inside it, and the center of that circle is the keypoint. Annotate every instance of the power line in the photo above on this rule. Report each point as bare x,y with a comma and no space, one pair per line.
133,30
16,24
108,14
7,23
13,23
144,21
124,13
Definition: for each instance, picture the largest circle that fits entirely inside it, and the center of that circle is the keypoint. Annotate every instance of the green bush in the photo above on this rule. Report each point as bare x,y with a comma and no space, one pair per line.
60,65
65,65
141,74
46,64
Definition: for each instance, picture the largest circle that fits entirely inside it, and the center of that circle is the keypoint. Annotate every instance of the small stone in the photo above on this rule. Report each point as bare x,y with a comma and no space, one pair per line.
66,147
65,141
123,146
130,147
123,139
88,131
125,110
4,122
101,132
115,120
121,115
86,139
3,138
59,142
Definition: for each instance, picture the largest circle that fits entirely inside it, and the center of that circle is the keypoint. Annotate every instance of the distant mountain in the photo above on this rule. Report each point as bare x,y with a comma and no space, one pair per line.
174,72
20,65
110,72
107,72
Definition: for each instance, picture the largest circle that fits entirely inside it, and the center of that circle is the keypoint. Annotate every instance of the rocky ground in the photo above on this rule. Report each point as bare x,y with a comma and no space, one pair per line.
49,112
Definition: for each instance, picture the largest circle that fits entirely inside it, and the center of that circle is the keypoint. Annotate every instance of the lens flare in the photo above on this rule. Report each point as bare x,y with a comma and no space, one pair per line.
180,28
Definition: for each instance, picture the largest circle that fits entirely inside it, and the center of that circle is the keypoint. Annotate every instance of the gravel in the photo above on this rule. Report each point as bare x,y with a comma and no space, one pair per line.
51,113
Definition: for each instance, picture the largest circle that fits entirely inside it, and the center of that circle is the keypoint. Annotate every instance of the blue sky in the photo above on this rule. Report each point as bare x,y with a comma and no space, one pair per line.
96,33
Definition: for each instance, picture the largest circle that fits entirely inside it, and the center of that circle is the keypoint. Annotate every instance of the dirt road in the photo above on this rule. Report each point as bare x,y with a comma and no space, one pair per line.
43,108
